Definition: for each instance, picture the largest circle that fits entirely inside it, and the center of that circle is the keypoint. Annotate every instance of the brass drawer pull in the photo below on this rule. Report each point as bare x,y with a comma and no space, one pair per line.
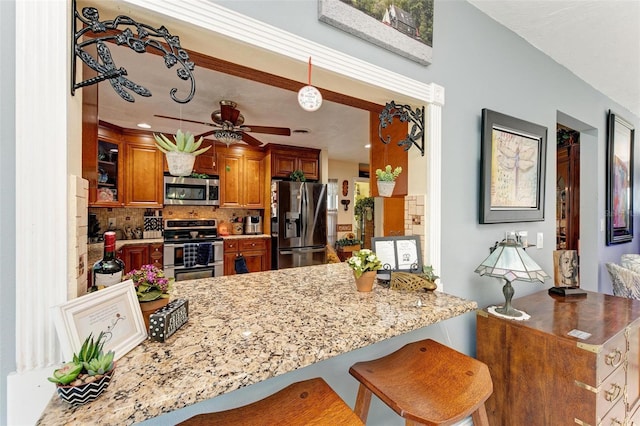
613,358
615,422
613,394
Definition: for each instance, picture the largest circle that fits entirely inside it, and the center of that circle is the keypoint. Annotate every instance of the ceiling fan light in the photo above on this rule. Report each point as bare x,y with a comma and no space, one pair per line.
228,137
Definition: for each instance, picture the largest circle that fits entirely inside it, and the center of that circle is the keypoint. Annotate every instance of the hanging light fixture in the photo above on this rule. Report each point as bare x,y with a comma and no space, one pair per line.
227,136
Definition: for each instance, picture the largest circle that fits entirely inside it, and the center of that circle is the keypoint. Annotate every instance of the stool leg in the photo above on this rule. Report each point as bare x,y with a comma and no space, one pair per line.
363,401
480,416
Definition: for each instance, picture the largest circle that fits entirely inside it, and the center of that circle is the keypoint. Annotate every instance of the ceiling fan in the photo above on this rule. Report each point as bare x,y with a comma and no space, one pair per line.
230,128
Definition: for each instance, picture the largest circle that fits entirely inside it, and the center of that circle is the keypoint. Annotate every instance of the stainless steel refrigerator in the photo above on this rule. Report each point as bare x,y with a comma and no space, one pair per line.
298,224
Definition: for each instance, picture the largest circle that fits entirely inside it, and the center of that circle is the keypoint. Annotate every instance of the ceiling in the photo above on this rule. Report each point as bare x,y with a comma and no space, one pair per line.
599,41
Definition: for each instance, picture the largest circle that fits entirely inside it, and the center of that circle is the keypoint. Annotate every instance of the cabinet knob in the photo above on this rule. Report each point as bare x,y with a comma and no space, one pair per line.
613,393
614,358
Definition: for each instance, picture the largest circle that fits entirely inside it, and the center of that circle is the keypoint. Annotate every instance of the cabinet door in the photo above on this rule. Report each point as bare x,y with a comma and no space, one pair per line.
206,162
229,263
255,261
283,164
143,175
253,186
134,256
105,184
310,167
231,181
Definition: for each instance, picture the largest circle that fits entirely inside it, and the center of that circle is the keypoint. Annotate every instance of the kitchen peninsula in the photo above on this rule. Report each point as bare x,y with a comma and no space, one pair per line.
245,329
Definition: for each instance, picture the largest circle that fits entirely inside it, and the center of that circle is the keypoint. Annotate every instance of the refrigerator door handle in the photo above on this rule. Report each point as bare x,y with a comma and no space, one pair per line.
314,250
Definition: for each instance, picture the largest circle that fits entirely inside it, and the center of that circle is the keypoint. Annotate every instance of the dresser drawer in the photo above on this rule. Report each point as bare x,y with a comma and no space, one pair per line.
603,398
611,356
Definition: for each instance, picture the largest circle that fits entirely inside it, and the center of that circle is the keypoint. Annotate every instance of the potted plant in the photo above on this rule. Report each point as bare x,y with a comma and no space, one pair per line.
152,288
364,206
364,264
181,155
387,180
298,176
85,377
429,274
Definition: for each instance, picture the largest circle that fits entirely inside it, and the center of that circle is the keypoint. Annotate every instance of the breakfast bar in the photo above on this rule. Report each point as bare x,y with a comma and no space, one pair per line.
245,329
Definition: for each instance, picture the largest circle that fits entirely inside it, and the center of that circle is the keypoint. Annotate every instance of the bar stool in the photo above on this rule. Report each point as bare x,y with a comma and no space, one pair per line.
426,383
310,402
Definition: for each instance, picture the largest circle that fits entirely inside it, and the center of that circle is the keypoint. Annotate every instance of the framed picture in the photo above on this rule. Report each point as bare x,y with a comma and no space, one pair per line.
565,268
397,254
407,32
513,160
114,311
619,180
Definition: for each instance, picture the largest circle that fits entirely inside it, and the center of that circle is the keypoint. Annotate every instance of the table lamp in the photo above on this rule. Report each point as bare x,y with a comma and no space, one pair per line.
509,261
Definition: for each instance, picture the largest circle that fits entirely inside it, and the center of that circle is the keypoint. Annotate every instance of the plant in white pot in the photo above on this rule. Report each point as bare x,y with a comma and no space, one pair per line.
387,180
181,155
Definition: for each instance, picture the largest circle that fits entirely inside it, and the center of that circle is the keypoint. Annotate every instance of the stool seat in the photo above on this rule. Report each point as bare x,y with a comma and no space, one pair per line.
425,382
310,402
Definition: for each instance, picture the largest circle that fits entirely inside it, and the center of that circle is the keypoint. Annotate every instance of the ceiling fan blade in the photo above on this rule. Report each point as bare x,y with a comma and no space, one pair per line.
205,134
250,140
268,130
184,119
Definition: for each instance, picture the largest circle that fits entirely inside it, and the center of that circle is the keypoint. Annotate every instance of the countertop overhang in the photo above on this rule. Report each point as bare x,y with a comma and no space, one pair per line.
243,329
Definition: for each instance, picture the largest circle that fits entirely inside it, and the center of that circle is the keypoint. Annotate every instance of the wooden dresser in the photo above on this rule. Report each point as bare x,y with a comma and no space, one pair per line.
544,376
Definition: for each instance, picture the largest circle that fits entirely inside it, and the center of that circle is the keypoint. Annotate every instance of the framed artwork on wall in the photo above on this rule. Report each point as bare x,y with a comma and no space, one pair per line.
619,212
404,27
513,160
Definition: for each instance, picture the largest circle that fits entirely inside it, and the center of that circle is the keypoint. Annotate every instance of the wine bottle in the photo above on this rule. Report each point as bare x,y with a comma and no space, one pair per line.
108,270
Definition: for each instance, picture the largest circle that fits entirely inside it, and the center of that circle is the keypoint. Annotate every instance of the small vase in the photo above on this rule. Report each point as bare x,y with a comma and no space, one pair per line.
180,163
148,308
365,282
87,392
385,187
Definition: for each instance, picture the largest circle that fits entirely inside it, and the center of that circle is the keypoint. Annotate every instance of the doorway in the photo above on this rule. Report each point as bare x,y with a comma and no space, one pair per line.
567,188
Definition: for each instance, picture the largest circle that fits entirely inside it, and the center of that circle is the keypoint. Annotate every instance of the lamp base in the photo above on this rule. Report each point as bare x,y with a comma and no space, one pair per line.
513,314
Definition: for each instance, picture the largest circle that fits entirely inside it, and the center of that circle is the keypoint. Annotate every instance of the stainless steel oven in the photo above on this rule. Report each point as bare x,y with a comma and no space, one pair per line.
192,249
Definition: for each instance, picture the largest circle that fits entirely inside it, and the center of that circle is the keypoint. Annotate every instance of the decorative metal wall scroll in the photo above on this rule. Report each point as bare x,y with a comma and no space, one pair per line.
405,114
146,37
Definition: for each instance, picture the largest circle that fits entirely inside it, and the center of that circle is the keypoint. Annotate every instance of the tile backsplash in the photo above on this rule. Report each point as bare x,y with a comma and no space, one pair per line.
134,217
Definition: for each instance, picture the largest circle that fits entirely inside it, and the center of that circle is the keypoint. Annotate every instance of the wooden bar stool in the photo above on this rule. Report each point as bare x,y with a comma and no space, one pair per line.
426,383
310,402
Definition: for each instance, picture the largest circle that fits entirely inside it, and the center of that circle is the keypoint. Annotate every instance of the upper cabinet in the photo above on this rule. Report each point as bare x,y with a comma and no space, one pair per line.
242,179
207,162
143,171
286,159
123,167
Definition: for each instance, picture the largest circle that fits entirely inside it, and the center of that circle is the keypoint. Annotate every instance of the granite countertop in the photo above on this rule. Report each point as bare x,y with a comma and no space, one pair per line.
243,329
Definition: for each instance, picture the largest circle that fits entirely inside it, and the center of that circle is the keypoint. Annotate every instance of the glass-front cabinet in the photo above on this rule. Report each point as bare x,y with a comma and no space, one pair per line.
108,173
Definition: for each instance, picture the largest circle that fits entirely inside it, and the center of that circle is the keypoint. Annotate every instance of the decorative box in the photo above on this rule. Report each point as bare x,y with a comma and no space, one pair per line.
165,321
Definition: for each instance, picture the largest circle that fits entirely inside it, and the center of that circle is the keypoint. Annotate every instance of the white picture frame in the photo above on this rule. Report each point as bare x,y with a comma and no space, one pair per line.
114,310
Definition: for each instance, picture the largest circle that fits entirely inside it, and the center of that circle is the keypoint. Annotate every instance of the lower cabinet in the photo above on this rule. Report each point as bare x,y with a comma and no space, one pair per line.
254,250
136,255
575,361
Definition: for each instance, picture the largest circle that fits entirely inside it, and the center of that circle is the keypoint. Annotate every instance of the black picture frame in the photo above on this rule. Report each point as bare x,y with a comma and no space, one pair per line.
401,253
512,169
619,209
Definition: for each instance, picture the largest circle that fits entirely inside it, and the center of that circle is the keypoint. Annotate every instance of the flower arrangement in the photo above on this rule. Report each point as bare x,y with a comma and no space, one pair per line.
387,175
150,283
363,261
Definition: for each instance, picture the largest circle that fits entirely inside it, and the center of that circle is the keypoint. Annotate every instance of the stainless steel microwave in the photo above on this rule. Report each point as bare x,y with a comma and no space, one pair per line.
188,191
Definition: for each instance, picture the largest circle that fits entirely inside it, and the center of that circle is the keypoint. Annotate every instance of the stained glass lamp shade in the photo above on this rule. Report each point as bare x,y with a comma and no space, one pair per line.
511,262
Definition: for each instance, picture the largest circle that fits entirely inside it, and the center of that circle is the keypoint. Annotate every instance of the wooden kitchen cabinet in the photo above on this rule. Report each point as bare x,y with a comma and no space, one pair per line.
135,255
143,174
207,162
286,159
544,376
242,178
255,251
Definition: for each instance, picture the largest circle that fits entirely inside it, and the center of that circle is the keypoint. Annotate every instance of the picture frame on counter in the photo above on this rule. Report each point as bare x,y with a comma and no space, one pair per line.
397,254
114,310
513,169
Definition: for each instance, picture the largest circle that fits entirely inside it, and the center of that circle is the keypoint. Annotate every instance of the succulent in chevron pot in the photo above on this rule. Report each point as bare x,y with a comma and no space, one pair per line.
85,377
